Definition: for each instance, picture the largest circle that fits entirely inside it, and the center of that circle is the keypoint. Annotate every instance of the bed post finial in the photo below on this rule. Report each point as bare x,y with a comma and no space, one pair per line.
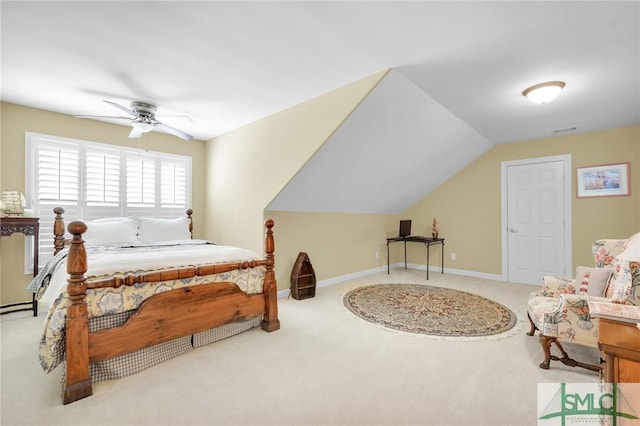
269,244
189,213
270,321
77,381
58,230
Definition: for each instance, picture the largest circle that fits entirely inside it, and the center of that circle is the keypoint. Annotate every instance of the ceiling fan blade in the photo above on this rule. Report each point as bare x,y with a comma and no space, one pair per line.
173,131
125,109
102,116
136,132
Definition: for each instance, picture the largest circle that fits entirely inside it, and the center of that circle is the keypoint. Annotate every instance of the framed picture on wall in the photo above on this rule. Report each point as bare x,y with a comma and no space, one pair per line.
604,180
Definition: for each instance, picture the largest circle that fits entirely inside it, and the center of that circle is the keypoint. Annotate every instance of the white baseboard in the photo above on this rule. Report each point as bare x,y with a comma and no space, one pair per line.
475,274
336,280
433,269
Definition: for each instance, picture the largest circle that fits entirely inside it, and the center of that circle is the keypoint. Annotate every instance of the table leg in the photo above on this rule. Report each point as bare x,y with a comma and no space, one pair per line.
35,269
427,261
387,257
405,254
442,260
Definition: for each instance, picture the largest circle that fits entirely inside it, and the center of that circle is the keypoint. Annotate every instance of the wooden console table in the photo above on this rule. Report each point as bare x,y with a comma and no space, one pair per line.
619,339
427,241
620,342
28,226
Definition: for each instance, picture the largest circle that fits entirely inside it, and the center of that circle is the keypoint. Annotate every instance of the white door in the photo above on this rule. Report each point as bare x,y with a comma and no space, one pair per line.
537,229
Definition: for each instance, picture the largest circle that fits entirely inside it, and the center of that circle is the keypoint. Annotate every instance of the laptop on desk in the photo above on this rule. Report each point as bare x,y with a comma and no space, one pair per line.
405,228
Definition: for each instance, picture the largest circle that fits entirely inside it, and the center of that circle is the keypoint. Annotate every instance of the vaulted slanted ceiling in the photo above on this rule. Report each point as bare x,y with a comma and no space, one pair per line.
228,64
398,145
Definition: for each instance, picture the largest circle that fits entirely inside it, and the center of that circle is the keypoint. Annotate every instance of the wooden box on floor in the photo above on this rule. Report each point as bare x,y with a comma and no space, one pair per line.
303,278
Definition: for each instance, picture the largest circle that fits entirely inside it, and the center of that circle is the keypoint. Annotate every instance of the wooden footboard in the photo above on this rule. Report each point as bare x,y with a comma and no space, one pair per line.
163,317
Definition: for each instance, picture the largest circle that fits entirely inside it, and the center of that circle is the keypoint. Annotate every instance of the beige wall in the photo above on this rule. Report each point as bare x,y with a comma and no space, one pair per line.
16,120
469,211
248,167
467,206
337,244
239,173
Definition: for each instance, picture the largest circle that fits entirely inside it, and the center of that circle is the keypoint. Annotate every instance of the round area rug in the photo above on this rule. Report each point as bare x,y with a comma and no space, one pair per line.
433,311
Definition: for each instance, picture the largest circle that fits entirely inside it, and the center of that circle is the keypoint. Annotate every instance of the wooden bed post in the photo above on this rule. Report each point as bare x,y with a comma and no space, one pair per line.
189,213
270,321
77,381
58,230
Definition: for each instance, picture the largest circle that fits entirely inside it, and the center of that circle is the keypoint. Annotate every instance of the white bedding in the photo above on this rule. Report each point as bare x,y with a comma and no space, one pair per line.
146,256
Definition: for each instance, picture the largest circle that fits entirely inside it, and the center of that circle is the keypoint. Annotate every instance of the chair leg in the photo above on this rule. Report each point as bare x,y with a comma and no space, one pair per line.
533,326
546,342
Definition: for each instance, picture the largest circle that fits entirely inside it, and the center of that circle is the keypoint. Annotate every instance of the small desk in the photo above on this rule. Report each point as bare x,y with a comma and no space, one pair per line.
29,226
427,241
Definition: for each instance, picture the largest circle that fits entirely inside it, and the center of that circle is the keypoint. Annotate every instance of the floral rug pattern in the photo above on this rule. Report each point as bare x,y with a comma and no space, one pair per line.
434,311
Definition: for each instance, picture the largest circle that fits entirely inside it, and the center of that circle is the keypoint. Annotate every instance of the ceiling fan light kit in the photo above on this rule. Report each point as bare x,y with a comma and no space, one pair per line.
142,116
542,93
142,126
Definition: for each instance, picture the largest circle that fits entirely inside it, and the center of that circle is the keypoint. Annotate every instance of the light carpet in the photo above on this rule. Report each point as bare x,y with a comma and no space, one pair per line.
323,367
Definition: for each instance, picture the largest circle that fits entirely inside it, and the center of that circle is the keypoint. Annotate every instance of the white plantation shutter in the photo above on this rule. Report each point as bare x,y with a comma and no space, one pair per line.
57,183
92,180
141,181
103,178
173,184
58,174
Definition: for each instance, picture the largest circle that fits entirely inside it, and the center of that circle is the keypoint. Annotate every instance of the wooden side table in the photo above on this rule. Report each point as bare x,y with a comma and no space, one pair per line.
29,226
620,342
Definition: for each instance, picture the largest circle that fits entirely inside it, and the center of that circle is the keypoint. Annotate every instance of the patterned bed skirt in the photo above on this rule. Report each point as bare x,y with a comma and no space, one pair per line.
135,362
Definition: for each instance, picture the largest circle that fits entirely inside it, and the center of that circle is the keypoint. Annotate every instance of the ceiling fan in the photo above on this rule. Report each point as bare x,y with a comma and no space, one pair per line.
142,116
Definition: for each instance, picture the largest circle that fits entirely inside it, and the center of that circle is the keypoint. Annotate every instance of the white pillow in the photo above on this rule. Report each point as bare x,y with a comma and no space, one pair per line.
596,280
113,219
152,229
108,232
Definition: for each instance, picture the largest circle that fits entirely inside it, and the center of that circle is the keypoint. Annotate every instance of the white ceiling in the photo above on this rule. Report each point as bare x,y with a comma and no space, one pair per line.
226,64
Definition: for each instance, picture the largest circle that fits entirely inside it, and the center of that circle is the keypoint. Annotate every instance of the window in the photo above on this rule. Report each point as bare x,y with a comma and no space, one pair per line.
92,180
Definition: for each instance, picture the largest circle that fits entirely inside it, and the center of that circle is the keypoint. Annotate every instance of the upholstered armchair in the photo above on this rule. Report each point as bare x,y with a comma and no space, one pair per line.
560,310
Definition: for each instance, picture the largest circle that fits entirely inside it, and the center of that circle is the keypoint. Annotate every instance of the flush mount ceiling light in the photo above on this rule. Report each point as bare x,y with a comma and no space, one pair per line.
543,92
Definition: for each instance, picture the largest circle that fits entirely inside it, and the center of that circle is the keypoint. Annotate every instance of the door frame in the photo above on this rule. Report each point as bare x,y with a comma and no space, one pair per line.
568,196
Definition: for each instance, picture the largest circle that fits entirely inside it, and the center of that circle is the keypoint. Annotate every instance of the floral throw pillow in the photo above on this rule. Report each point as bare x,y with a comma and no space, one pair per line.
619,284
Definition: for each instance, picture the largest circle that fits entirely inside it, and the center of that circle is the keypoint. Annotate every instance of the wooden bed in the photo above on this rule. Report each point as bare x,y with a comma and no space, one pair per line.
160,318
